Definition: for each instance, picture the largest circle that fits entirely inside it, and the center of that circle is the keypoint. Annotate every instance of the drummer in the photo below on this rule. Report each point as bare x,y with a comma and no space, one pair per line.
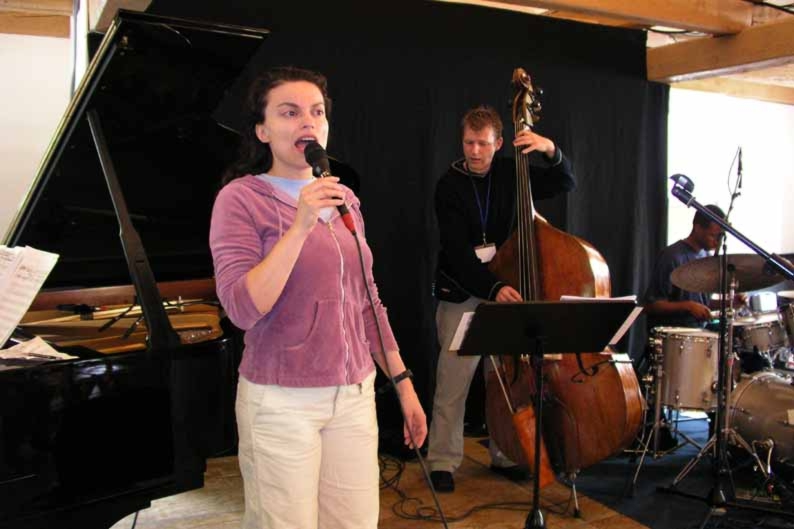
668,305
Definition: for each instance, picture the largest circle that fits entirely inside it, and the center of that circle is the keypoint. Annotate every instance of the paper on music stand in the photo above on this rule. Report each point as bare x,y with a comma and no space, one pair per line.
626,325
9,258
22,273
460,332
632,297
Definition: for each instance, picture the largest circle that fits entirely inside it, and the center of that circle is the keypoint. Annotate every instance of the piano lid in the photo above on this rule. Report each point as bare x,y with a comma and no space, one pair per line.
155,83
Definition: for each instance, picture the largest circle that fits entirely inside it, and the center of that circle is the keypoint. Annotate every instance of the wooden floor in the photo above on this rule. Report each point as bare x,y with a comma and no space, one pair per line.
219,505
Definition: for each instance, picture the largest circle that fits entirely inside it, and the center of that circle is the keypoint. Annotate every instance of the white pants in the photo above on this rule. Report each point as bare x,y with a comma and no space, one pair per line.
453,379
308,456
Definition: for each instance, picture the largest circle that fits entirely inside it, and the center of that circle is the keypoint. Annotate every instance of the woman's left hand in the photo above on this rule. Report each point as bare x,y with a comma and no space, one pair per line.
415,421
529,141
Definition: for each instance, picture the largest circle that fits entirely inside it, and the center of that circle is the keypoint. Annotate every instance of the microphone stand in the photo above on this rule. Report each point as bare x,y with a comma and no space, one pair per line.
682,190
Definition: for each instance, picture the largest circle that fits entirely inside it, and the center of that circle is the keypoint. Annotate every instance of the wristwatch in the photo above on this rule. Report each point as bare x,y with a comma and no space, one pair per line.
402,376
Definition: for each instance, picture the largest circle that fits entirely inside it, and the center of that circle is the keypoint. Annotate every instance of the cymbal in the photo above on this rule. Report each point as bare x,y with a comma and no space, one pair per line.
703,275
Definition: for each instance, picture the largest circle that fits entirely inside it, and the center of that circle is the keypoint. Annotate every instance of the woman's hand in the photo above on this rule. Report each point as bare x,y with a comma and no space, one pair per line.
415,420
534,142
322,193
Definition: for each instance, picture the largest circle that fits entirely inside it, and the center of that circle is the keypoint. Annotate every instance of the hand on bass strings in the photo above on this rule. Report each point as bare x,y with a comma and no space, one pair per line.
507,294
322,193
529,141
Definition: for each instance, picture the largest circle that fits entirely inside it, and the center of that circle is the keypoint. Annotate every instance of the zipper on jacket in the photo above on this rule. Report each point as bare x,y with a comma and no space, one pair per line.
342,290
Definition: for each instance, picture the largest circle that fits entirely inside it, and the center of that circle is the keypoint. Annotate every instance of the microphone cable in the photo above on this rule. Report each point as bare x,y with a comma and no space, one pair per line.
734,192
317,158
419,457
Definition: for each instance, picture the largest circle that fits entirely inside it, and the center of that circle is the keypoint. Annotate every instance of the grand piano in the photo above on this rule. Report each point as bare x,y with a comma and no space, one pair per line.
124,196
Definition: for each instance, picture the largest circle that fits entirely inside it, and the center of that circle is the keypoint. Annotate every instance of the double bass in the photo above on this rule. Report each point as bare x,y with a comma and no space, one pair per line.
593,405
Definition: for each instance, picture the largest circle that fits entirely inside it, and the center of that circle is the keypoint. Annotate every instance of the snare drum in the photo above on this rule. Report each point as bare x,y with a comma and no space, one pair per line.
762,408
688,357
761,333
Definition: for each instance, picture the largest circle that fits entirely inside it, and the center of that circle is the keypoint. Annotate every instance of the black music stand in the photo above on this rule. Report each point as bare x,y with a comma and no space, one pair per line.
537,328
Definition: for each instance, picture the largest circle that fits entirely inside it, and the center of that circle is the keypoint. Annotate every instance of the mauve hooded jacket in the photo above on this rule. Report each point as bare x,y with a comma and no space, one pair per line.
321,330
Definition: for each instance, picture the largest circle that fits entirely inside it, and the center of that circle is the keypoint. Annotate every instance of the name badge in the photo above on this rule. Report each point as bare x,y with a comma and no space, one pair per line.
485,252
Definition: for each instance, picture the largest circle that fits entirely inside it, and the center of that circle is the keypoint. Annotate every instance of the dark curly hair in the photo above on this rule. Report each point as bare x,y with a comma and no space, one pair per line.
702,220
254,156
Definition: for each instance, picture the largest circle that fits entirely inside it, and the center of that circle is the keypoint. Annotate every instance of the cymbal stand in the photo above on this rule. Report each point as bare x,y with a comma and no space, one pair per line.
723,433
652,437
682,190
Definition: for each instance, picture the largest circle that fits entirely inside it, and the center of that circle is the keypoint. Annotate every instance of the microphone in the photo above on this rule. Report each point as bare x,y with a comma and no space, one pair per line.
682,180
317,157
682,188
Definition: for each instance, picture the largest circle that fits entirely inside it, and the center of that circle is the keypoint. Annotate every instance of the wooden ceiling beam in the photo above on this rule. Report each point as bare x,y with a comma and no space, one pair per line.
102,12
35,24
497,4
40,7
40,18
754,48
717,17
744,89
589,19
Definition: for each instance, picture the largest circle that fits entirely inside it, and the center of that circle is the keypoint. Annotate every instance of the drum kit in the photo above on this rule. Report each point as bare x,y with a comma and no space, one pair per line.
757,400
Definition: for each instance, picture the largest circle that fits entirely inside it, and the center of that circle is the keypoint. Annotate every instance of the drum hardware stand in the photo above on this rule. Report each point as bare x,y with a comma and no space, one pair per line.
717,500
653,433
724,397
723,433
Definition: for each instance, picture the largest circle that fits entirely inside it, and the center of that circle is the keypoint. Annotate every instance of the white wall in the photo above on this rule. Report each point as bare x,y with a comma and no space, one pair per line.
35,93
705,130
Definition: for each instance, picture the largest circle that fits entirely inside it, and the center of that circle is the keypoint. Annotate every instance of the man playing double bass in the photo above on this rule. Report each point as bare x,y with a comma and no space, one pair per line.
476,211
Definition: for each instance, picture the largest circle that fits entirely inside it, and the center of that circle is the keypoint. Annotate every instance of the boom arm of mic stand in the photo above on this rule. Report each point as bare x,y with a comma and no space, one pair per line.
773,261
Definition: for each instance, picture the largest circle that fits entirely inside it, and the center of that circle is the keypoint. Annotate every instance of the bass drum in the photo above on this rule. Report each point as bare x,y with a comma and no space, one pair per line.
762,408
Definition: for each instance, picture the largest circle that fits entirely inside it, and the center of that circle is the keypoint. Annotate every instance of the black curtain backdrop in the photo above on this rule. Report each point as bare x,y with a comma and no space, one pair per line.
402,74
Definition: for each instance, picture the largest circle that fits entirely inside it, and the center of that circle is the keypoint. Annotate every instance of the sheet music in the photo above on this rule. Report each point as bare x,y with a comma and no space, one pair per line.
623,329
626,325
9,258
22,274
460,332
632,297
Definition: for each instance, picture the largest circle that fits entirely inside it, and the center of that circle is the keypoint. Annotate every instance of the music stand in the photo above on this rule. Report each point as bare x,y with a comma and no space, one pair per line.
540,327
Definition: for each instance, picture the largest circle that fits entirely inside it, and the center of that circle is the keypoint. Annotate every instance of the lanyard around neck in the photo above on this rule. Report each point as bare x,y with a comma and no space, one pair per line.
483,213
